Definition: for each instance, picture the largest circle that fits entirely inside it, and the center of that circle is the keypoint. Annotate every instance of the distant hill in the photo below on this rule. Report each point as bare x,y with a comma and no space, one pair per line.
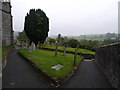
99,37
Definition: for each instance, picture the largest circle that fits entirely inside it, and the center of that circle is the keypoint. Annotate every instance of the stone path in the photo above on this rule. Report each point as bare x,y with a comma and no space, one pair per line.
19,74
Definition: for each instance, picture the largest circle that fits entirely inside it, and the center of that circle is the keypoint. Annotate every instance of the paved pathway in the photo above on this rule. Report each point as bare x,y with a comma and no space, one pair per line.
19,74
87,76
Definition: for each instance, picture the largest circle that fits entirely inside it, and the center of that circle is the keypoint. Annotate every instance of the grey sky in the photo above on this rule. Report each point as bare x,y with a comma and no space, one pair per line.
71,17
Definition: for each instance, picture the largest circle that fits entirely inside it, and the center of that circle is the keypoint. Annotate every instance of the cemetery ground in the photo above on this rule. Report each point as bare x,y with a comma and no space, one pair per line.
45,60
68,49
19,74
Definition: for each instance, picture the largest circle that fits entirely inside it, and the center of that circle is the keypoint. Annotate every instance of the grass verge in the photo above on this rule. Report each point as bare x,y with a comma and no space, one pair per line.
5,49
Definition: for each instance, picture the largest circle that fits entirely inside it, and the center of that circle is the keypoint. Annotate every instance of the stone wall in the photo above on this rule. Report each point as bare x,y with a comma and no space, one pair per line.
108,60
7,30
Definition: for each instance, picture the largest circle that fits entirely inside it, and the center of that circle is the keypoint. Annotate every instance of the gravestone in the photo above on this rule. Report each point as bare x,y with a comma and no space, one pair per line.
64,50
56,50
77,46
30,49
53,44
75,57
57,67
26,47
37,47
22,44
33,46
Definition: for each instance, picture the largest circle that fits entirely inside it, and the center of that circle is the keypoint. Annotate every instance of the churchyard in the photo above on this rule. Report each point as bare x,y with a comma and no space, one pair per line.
54,64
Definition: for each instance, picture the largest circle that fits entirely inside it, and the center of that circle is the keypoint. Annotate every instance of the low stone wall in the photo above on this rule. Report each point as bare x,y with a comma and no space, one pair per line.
108,60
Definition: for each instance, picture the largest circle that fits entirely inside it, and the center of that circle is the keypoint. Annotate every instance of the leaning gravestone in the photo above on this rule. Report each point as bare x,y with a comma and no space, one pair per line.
64,50
75,57
22,44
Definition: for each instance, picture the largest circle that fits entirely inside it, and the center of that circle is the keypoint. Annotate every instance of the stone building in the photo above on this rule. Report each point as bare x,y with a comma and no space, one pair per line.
7,28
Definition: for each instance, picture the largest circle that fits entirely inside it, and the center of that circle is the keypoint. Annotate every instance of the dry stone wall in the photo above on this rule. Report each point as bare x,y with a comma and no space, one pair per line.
108,60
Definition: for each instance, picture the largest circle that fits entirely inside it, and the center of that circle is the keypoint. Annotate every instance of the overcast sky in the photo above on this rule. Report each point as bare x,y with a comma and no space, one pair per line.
70,17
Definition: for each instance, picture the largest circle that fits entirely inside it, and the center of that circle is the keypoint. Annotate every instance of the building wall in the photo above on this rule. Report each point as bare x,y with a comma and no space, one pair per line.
7,31
108,60
0,23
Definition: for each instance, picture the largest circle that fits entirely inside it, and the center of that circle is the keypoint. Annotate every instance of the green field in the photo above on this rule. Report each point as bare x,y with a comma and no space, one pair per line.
69,49
93,39
44,60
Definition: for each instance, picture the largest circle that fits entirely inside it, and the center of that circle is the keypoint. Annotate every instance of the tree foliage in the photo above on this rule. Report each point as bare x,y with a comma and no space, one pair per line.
51,40
22,36
36,26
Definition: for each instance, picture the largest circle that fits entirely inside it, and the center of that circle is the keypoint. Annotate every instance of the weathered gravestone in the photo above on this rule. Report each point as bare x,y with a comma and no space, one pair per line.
22,44
26,47
57,67
30,49
56,50
33,46
37,47
64,50
75,57
53,44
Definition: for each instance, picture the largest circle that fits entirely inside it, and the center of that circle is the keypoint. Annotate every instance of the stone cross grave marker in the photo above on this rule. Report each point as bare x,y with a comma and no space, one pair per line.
64,50
56,50
75,57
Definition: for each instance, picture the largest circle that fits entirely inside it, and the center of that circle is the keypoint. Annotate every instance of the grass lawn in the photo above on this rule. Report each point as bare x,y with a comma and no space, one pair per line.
4,51
69,49
44,60
17,44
